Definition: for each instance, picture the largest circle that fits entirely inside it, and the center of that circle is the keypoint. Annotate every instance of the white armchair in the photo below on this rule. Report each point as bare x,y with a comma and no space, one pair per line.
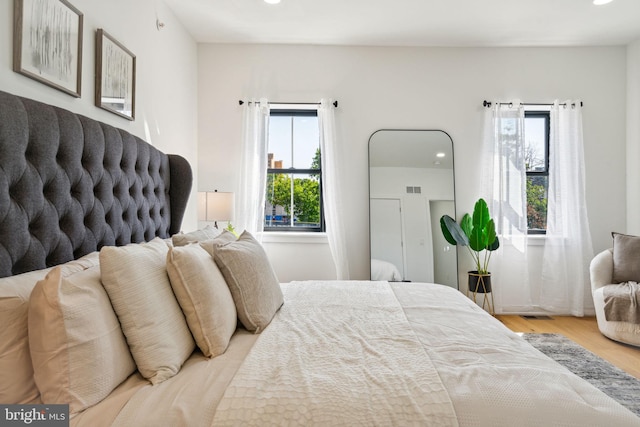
601,270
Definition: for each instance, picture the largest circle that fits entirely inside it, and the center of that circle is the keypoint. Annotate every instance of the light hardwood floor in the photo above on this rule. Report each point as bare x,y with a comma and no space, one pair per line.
584,331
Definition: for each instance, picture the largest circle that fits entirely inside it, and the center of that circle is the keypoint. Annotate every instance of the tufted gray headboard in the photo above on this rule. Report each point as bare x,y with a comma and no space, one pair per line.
70,185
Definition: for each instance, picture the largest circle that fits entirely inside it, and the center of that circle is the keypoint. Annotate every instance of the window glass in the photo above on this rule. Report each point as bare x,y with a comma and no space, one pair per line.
280,147
293,190
536,134
535,128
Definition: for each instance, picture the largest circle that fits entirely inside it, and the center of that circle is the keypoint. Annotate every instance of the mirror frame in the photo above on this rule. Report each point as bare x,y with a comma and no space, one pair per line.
454,248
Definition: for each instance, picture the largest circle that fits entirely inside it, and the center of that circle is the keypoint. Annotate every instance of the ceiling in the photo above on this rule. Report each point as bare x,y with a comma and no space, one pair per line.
412,22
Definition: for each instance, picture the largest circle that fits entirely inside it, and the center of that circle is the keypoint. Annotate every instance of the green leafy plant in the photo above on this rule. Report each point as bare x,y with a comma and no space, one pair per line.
231,229
477,233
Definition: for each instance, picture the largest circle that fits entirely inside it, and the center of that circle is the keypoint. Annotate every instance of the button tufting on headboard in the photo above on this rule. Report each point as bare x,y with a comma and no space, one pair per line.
70,185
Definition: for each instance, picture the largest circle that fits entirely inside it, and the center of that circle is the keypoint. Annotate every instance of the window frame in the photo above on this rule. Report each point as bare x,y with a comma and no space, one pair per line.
546,115
296,112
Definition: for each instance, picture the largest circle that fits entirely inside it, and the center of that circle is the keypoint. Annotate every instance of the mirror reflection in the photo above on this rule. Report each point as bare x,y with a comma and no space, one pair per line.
411,185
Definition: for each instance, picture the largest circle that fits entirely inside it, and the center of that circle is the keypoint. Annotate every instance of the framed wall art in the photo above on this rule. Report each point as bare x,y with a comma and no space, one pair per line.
47,43
115,76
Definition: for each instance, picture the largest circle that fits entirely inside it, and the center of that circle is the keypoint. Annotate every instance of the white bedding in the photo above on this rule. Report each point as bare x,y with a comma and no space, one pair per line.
493,376
339,353
383,270
484,373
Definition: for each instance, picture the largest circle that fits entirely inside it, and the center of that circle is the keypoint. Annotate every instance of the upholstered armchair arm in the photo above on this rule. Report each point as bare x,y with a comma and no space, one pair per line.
601,269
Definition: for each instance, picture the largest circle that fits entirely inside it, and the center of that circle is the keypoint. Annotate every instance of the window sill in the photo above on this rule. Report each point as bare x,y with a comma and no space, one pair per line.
293,237
536,239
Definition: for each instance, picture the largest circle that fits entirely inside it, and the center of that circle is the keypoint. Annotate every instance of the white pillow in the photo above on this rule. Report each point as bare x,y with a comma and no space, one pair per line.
206,233
16,371
135,278
253,283
224,238
78,350
204,297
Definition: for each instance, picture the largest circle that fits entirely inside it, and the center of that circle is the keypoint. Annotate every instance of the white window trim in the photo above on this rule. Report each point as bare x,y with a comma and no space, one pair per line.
536,239
294,237
310,106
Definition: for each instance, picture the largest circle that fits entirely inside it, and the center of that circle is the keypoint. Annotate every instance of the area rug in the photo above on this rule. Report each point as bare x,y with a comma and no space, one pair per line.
610,379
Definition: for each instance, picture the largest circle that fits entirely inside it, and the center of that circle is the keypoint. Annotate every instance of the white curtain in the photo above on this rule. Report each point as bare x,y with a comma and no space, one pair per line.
249,213
568,249
332,183
504,187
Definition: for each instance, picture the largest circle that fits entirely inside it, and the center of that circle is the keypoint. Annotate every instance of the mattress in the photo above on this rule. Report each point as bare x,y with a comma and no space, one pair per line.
462,367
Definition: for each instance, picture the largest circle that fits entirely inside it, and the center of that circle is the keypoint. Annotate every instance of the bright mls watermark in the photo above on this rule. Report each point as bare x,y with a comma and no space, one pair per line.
34,415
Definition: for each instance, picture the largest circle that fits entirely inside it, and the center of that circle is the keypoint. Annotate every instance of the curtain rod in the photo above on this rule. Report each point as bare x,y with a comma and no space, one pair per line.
487,104
335,103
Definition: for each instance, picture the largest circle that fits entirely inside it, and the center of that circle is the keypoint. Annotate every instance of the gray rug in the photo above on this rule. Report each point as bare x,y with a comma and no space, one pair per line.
610,379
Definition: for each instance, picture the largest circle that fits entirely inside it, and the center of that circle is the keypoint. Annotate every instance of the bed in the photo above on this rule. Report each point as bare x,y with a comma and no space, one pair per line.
384,270
299,353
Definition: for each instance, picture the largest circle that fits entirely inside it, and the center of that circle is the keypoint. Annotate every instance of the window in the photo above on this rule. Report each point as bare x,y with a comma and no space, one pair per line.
294,175
536,134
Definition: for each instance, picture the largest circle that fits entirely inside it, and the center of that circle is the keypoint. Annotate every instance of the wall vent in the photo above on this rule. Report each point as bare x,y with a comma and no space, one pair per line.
414,190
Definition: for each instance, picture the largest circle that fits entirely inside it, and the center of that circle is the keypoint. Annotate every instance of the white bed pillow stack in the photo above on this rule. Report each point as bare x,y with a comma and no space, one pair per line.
135,278
92,321
78,350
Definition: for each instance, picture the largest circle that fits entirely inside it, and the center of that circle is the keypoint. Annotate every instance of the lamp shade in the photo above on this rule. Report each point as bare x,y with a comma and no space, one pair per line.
202,205
220,206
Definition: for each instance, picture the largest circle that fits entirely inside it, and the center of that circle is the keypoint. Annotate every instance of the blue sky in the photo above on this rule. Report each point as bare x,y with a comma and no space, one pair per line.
306,135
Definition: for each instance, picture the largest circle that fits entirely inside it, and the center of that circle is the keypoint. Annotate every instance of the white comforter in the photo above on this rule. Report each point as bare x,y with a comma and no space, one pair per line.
485,374
337,354
493,376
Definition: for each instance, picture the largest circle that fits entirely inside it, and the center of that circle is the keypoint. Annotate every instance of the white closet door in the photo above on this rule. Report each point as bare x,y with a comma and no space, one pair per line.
386,232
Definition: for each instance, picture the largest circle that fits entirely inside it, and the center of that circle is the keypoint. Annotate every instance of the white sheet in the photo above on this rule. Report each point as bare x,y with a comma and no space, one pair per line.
188,399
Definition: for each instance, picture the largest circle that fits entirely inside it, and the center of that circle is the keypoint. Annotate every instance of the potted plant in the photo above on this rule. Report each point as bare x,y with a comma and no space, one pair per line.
478,234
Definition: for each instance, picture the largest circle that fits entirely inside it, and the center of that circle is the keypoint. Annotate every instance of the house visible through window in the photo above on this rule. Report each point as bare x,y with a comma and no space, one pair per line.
294,175
536,134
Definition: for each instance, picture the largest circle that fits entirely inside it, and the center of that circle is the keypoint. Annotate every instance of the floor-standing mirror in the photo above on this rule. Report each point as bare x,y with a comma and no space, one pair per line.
411,185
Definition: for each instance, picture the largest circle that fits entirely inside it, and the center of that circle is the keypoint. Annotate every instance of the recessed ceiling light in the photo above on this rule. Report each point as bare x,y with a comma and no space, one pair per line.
440,155
597,2
278,1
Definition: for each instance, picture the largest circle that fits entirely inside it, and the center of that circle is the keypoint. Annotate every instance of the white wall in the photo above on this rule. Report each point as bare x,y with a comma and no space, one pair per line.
416,88
166,76
633,138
